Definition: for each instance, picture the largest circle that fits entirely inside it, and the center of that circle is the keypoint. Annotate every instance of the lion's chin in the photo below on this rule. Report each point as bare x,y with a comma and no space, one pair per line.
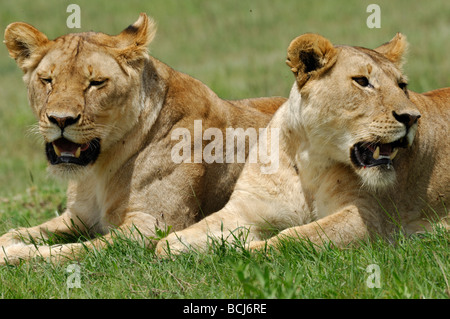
70,161
68,172
373,162
378,178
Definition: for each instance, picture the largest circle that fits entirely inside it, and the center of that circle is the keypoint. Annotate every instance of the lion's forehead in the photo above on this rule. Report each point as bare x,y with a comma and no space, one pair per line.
77,53
358,58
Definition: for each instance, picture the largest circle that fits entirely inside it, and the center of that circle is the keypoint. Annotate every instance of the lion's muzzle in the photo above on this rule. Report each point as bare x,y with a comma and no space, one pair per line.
370,154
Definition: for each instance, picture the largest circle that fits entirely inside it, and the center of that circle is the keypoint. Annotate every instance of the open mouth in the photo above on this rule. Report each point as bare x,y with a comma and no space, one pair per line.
366,154
63,151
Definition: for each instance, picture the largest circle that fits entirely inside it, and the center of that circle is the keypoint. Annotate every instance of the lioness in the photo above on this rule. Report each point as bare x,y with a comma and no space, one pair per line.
107,112
360,155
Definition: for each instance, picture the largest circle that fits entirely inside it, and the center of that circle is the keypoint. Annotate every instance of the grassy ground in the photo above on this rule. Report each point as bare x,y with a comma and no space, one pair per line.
413,268
237,47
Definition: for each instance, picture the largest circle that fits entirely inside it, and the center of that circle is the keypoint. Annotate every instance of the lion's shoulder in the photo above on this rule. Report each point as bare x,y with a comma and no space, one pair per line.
434,102
440,95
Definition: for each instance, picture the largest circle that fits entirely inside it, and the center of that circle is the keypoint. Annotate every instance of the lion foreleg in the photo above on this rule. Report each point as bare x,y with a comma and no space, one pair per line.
136,226
339,229
226,225
59,225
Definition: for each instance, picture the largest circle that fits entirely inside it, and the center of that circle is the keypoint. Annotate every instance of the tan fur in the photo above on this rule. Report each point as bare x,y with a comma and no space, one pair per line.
319,192
133,185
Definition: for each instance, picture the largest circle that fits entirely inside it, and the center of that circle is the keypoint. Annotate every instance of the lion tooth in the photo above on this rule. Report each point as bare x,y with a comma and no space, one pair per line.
376,154
78,152
393,154
57,151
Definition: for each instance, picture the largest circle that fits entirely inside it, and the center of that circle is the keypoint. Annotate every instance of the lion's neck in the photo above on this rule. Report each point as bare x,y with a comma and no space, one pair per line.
153,91
150,103
311,161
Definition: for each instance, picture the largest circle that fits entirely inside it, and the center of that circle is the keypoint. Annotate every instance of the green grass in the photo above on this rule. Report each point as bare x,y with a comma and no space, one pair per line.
238,48
416,267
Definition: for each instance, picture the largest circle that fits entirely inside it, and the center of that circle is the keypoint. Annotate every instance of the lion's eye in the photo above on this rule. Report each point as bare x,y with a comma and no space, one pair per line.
403,86
46,80
97,83
362,81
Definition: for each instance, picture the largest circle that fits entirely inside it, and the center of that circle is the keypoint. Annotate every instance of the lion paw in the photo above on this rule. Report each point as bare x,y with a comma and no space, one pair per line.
13,254
257,245
171,245
12,237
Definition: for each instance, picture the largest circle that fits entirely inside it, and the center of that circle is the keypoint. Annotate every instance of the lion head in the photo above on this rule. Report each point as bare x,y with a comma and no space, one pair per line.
355,107
84,89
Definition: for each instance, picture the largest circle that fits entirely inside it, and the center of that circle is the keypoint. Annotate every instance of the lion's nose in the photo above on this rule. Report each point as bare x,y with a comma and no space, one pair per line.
407,118
63,121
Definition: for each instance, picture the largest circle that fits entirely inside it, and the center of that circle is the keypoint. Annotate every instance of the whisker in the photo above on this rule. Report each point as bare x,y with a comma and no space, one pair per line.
33,132
86,133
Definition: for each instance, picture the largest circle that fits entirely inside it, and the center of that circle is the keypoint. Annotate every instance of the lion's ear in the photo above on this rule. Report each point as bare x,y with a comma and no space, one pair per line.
133,41
395,49
310,55
25,44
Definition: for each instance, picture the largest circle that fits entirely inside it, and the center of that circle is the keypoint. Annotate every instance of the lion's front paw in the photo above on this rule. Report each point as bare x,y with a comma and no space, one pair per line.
9,244
13,237
171,245
257,245
3,256
13,254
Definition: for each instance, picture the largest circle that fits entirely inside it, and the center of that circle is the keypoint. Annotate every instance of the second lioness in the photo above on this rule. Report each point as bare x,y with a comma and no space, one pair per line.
360,155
